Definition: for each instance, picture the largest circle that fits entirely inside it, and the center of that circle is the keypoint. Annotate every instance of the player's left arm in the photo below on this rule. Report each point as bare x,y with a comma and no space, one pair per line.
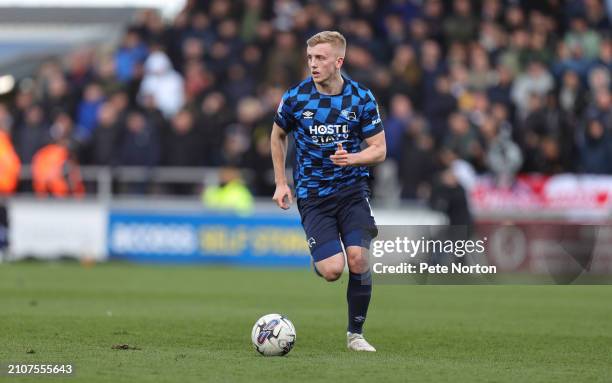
374,153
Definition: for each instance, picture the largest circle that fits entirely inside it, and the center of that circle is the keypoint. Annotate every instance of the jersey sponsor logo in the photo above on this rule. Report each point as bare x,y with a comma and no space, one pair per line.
327,134
328,129
307,114
351,116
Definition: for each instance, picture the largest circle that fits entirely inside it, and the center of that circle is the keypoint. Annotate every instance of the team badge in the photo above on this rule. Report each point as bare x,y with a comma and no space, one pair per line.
351,116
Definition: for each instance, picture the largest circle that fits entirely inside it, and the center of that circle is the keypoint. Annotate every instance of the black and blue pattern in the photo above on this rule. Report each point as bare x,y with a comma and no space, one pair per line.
318,123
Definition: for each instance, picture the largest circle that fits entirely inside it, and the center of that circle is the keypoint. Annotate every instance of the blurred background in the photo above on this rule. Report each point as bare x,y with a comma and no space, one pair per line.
140,130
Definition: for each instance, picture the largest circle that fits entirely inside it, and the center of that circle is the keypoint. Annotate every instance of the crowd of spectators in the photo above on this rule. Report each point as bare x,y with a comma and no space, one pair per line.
507,86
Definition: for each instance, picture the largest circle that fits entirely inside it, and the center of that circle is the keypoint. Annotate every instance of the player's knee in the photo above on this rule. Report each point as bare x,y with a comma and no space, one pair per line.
332,274
331,268
331,271
357,260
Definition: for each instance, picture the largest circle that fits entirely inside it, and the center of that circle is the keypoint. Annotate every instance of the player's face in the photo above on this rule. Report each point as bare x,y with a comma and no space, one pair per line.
323,61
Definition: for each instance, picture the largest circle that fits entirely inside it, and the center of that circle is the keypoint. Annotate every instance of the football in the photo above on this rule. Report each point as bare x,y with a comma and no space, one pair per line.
273,335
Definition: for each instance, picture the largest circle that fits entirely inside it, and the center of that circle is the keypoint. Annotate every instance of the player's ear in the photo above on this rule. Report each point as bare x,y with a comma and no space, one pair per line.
339,62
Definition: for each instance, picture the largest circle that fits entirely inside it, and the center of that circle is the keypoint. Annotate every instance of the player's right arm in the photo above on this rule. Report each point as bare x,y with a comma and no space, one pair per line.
278,141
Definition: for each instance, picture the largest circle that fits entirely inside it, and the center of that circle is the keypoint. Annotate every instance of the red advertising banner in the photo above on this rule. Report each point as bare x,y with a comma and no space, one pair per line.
552,248
534,192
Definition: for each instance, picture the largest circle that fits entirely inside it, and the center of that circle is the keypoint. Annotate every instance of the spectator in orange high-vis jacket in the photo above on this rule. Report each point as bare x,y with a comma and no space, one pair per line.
9,165
9,161
56,172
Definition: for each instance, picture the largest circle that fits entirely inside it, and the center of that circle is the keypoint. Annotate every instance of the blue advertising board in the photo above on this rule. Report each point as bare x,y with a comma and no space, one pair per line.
257,240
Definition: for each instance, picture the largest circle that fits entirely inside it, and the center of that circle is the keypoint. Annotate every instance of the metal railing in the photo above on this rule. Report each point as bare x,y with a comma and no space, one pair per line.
105,180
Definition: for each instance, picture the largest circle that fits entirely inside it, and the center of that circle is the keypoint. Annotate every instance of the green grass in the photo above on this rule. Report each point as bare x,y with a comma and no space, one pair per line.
192,324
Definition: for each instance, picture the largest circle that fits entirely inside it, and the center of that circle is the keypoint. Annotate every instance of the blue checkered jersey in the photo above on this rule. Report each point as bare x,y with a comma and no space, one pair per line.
318,123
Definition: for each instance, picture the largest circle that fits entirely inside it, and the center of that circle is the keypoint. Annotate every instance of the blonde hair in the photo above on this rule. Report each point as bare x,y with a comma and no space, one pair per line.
334,38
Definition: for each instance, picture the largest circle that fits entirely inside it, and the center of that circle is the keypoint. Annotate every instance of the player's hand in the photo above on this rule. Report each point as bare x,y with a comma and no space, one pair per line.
282,196
341,157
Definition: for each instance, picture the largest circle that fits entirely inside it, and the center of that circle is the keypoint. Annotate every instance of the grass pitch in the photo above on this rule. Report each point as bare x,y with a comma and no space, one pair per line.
193,324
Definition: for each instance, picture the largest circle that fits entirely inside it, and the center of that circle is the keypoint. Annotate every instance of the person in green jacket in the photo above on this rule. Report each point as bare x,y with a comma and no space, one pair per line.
231,194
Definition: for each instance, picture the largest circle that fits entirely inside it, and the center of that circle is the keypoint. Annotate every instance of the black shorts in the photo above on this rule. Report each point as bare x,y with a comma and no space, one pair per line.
344,217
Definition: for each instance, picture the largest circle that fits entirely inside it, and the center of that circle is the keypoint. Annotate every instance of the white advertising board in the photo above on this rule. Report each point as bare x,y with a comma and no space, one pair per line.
51,229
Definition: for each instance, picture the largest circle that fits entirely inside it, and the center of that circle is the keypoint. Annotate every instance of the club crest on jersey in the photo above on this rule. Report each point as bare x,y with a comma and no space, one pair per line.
307,114
351,116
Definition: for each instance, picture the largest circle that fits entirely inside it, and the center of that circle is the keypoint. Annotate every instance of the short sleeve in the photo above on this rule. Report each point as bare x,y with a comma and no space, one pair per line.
371,123
284,114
